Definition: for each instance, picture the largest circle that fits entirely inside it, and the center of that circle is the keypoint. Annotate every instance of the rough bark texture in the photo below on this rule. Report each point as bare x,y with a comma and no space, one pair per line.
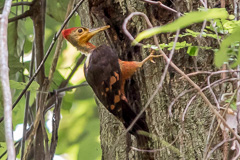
189,136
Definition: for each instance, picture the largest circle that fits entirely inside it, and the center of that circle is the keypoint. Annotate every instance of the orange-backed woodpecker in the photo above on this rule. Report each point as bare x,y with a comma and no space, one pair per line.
106,74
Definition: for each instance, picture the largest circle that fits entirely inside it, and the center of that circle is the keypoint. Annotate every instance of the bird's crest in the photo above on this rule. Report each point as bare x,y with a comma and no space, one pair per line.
66,32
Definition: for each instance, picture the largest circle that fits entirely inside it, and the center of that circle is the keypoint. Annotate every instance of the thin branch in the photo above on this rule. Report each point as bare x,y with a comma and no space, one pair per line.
58,92
58,47
175,100
218,145
211,91
203,3
72,87
27,104
203,27
21,16
22,3
195,73
4,79
80,60
224,113
212,84
162,5
208,136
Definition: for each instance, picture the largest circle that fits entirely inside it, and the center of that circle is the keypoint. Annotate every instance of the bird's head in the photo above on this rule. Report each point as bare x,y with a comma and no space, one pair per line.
79,37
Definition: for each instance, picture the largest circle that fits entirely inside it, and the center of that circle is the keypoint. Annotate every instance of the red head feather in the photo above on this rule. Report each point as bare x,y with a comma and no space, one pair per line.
66,32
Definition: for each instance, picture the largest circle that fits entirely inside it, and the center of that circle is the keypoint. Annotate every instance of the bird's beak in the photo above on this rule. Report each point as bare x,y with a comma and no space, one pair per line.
94,31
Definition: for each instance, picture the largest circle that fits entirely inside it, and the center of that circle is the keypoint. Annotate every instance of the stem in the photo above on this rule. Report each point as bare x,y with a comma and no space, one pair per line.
4,79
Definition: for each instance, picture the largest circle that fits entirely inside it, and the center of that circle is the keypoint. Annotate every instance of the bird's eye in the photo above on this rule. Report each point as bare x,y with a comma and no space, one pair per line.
80,31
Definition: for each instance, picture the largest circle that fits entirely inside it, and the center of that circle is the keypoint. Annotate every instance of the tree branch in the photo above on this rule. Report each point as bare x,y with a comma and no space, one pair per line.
4,78
162,5
22,3
21,16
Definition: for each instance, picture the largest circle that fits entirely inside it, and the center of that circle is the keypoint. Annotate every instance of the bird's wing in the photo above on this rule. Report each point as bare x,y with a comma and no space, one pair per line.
103,74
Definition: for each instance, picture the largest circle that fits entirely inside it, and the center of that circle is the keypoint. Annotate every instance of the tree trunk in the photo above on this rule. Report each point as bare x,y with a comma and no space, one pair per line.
174,138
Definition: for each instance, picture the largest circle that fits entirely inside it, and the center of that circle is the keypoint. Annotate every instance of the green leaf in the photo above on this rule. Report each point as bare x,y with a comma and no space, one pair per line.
1,5
190,18
237,61
14,65
21,85
2,134
16,37
3,148
221,56
57,9
193,51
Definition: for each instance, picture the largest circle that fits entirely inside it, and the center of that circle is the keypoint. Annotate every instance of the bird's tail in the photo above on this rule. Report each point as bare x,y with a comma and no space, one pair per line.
139,130
128,115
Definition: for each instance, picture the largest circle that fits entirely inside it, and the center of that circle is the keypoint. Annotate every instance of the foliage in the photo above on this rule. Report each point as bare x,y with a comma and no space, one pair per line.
229,50
182,22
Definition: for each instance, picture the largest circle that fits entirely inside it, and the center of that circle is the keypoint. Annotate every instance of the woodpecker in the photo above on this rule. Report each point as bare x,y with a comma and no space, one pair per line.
106,74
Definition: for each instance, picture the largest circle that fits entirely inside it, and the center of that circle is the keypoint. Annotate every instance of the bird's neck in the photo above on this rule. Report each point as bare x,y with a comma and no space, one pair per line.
87,48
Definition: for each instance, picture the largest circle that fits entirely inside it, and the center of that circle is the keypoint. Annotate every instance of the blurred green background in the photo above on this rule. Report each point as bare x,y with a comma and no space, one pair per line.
78,136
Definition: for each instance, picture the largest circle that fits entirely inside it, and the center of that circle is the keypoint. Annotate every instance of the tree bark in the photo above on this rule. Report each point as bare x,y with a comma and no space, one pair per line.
174,138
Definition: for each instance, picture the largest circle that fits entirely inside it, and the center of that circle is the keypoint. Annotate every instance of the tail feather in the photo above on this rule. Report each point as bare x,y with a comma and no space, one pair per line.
143,140
128,115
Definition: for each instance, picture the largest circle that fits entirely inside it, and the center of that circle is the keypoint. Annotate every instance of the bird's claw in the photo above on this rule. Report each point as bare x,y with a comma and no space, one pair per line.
153,56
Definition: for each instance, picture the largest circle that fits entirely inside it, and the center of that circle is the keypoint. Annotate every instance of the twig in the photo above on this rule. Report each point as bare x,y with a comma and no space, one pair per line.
203,3
213,84
175,100
215,132
195,73
22,3
72,87
211,91
209,134
219,145
51,100
27,104
162,5
21,16
203,27
4,79
80,60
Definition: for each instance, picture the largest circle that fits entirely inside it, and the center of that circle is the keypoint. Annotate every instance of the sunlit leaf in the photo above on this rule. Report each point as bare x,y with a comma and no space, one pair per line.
193,51
188,19
16,37
221,56
3,148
